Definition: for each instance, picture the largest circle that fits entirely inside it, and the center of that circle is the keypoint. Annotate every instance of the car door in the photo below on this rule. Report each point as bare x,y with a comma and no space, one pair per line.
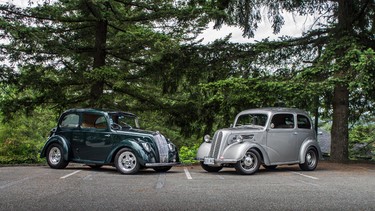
69,129
97,137
281,144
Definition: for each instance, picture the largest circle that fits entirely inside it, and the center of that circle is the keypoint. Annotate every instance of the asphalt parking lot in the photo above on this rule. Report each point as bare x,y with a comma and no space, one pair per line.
330,187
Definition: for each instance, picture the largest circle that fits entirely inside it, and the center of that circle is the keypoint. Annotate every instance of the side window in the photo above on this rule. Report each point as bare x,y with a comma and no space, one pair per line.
282,121
93,121
303,122
70,121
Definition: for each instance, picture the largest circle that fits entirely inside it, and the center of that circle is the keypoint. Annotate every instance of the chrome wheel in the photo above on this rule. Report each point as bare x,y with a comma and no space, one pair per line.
54,155
249,164
126,162
311,160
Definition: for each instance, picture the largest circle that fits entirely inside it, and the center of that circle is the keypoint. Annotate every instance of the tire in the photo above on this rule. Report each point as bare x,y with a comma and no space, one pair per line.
311,160
126,162
249,164
272,167
162,168
55,158
210,168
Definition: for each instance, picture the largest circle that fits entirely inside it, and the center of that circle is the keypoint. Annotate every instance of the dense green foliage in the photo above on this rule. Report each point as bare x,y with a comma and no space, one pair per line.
22,138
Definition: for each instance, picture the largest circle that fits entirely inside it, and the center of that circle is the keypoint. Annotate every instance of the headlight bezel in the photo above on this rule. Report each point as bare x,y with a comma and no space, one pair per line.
146,146
207,138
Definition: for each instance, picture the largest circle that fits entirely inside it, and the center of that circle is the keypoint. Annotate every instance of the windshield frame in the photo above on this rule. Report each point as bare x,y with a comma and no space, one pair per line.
255,126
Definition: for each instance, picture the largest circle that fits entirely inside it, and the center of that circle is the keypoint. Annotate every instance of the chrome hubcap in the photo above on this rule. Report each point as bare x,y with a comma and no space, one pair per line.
310,158
54,155
127,161
248,162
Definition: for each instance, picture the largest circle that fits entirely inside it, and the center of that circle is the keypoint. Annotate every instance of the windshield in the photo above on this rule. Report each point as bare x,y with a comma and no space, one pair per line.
125,120
251,120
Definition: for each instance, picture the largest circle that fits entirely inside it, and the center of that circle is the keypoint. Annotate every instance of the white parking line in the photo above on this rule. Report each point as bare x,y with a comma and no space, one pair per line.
187,173
304,175
68,175
220,177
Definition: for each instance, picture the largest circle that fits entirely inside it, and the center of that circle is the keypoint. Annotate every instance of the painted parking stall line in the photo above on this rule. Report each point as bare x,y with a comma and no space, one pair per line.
68,175
187,173
307,176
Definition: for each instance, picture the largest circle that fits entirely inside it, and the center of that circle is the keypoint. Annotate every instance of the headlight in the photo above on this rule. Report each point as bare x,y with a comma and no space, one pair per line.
146,146
239,139
207,138
171,147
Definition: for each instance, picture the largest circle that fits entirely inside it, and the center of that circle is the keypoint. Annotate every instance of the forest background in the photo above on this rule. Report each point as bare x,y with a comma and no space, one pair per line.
145,56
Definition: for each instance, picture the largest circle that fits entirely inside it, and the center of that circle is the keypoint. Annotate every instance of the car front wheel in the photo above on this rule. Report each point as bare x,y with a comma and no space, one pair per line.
249,164
126,162
311,160
210,168
55,157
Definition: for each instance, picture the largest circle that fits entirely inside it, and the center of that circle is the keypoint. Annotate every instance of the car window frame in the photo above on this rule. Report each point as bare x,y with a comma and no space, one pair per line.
308,119
282,128
92,127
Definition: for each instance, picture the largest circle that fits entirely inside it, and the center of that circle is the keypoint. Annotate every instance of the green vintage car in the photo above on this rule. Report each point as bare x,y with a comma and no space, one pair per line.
97,138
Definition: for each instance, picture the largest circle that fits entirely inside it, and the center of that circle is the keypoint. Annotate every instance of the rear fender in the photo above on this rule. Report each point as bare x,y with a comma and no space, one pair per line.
60,140
305,146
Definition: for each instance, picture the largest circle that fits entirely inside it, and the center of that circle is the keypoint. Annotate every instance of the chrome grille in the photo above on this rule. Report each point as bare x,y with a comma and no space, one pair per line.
162,145
216,143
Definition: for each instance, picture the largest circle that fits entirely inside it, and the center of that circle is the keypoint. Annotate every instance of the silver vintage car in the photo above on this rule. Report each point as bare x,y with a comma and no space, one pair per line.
266,136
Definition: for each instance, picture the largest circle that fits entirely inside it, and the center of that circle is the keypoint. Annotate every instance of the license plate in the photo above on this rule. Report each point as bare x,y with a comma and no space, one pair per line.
209,161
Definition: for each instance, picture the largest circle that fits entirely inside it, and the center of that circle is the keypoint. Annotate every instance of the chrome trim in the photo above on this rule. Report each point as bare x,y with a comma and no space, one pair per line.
160,164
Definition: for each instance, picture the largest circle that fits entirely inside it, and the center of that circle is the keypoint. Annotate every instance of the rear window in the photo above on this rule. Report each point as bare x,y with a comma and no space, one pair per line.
70,121
303,122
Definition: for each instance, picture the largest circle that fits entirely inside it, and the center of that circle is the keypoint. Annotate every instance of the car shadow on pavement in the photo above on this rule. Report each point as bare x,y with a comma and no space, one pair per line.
112,170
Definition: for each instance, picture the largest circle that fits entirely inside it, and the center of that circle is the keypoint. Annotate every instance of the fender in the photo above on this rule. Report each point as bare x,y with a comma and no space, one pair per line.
133,145
203,151
237,151
60,140
306,145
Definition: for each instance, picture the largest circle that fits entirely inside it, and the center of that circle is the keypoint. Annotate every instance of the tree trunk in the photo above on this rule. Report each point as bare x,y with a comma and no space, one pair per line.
339,132
340,117
97,86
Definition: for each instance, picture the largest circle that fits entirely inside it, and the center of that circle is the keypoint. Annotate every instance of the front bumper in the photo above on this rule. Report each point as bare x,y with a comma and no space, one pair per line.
218,162
161,164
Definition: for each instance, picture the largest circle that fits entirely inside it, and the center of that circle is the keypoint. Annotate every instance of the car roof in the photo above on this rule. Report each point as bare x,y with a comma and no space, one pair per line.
274,110
93,110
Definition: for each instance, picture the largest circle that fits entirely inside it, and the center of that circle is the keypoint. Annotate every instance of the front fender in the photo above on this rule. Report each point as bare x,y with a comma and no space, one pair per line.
203,151
237,151
60,140
305,146
133,145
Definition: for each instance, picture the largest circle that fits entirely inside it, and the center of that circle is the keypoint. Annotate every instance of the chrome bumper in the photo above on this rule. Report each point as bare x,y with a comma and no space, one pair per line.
160,164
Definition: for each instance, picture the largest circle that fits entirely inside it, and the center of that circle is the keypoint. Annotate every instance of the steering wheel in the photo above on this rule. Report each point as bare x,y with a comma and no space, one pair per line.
116,126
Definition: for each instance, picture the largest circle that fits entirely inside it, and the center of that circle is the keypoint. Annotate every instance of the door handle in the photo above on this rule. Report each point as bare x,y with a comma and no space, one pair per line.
108,135
295,133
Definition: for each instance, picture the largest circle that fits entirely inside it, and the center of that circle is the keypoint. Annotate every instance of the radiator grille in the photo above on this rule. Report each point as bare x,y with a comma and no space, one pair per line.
162,148
216,144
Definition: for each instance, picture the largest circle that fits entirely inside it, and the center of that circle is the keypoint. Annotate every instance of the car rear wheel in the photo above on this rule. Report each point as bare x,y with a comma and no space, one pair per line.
249,164
210,168
311,160
55,157
162,168
126,162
